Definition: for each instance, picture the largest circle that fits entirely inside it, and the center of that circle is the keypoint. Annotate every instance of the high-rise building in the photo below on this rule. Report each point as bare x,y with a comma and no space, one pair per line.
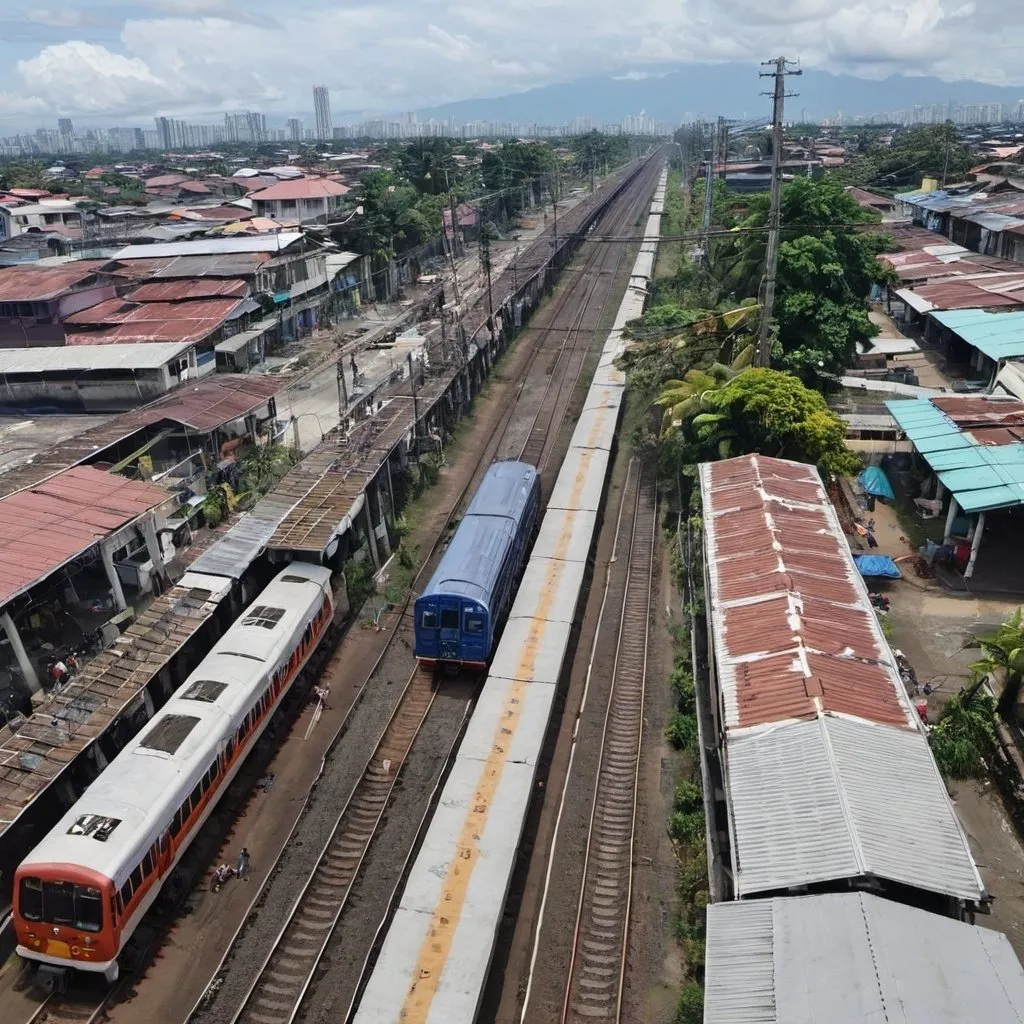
64,126
322,105
294,129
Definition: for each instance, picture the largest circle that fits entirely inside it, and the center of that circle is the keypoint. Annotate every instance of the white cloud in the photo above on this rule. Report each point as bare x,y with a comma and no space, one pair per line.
200,55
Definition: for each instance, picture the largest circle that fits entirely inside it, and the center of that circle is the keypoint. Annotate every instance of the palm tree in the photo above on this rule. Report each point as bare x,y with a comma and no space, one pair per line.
684,399
263,465
1002,659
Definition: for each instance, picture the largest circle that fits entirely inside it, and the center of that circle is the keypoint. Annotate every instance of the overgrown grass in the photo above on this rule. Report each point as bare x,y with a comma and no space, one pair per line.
672,223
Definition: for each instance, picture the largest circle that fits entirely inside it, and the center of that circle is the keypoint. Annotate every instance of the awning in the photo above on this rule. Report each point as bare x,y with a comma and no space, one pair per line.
914,301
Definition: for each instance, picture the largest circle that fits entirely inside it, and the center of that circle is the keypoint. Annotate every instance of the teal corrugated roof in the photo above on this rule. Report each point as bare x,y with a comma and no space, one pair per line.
998,335
980,477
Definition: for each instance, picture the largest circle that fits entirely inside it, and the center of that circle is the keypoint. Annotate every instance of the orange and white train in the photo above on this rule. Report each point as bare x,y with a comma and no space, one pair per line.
81,893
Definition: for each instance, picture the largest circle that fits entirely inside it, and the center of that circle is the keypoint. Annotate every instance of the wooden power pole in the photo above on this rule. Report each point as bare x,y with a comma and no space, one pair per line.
763,356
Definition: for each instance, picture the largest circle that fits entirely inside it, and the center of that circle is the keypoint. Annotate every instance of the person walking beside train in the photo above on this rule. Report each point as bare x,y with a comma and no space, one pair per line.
242,871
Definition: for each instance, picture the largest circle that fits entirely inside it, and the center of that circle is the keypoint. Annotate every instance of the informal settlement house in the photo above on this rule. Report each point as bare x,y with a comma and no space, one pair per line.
840,875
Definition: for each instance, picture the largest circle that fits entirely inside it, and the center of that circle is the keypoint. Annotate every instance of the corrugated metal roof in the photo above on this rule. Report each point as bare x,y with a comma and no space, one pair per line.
62,517
189,288
212,246
122,311
90,357
794,631
837,798
236,264
981,475
38,284
998,335
48,743
852,957
957,293
300,188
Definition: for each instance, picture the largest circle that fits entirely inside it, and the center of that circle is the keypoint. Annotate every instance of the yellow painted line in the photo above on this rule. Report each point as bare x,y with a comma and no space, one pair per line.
437,945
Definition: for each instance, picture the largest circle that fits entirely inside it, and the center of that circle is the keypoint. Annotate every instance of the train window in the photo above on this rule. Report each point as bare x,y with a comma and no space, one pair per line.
126,893
176,822
294,579
307,636
88,908
263,615
196,795
30,902
147,864
474,623
229,750
136,877
449,618
428,617
205,690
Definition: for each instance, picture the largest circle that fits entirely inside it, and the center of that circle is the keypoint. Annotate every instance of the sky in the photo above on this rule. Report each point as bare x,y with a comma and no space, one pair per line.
124,61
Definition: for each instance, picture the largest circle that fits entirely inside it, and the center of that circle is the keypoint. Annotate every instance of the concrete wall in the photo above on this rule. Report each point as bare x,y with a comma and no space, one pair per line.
92,394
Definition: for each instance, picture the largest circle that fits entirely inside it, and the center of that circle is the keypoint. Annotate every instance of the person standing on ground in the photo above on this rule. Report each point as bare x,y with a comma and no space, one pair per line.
243,865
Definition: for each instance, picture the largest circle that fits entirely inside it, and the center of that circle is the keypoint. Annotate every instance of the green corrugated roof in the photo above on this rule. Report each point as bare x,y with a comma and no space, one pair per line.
998,335
980,477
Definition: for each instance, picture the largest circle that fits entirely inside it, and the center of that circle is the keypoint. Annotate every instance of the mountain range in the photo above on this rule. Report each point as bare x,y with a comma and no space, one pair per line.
732,89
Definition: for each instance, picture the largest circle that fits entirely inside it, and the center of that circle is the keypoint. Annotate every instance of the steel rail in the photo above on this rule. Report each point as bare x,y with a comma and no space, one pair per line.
596,973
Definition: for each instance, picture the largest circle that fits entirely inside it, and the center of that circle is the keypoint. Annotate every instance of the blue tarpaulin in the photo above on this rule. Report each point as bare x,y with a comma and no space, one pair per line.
878,565
876,483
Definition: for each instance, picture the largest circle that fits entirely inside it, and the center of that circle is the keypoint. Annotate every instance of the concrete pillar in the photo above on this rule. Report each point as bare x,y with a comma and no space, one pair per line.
954,509
112,578
975,544
153,549
370,534
940,489
385,539
28,670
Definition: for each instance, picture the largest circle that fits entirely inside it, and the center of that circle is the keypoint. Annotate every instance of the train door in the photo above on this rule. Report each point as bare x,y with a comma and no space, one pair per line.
450,608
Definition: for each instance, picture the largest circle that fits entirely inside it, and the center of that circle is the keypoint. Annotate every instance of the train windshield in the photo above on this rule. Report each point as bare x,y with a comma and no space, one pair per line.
78,906
449,618
474,623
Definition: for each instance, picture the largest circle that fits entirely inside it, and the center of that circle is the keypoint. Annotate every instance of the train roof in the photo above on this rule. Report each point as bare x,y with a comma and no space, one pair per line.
124,810
504,490
470,566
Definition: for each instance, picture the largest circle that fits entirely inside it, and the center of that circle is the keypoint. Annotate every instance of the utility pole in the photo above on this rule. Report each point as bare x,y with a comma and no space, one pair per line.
485,262
723,154
415,403
763,356
709,189
342,393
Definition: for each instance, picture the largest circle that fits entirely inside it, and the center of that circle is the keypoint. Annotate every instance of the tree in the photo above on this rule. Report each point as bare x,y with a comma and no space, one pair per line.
770,412
423,164
1002,660
395,216
264,465
826,269
22,174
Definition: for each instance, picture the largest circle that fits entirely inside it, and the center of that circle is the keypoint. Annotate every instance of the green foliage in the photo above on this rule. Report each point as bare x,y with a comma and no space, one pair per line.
686,826
1002,659
681,732
264,465
360,583
690,1008
688,797
683,688
926,151
826,268
22,174
764,411
965,734
395,215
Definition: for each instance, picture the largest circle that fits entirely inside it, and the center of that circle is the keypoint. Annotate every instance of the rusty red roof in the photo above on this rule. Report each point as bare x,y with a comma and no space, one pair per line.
215,401
301,188
166,180
978,293
48,524
39,284
793,629
189,288
124,311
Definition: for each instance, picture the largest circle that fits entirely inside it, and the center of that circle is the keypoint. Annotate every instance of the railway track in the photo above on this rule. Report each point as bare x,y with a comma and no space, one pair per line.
282,983
277,992
598,963
64,1009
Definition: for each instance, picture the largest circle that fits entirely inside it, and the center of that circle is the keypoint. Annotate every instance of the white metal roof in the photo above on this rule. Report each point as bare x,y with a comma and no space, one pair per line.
211,246
91,357
838,798
853,957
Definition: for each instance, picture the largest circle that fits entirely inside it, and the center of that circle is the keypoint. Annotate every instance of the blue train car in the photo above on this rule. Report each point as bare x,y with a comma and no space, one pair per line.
461,610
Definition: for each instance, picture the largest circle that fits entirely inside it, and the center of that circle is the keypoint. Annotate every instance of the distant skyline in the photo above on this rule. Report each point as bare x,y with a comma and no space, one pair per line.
127,61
